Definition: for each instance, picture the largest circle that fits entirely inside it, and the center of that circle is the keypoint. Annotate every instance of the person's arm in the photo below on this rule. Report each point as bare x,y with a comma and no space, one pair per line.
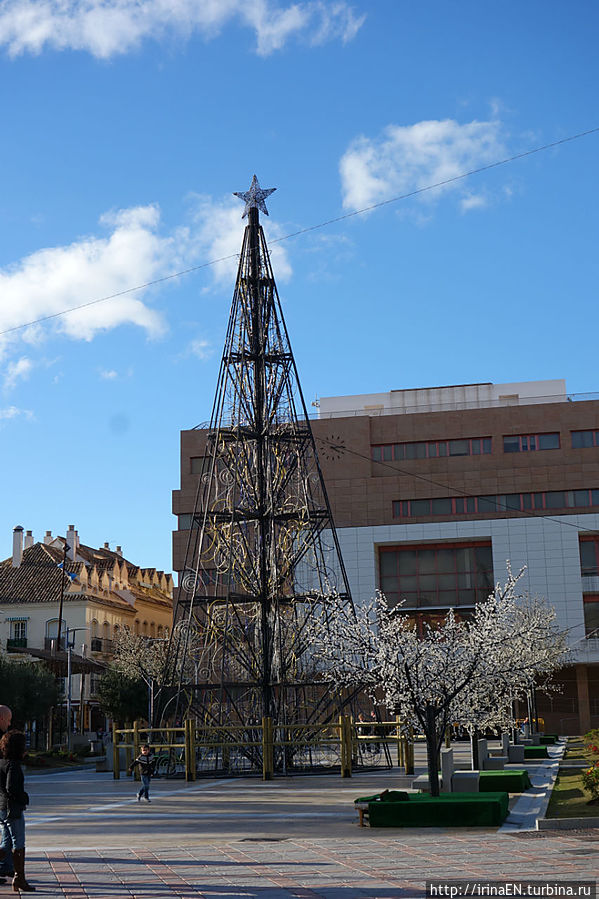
15,791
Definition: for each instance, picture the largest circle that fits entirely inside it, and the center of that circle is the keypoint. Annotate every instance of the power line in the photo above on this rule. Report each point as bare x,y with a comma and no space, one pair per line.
324,224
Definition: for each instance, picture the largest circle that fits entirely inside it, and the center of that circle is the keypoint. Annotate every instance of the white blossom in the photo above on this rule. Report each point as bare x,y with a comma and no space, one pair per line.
460,671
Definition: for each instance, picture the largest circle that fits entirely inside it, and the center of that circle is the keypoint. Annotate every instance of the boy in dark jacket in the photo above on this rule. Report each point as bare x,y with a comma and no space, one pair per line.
146,763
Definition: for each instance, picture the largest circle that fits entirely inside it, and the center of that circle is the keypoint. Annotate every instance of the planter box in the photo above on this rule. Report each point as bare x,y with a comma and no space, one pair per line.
447,810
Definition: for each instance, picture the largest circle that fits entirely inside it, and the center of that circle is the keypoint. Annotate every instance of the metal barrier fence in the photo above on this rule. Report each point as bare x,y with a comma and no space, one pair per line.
195,750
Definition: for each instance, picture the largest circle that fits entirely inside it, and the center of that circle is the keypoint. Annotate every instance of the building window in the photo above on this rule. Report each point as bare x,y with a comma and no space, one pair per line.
591,615
589,556
52,633
18,634
523,443
196,463
582,439
436,575
18,630
185,521
505,502
425,621
436,449
96,642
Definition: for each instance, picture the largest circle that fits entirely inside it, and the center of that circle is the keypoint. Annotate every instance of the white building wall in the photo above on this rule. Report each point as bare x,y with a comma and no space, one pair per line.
37,616
548,547
443,399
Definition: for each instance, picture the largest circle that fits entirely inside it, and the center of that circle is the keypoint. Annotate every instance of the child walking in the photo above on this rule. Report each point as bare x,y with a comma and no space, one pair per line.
13,802
146,763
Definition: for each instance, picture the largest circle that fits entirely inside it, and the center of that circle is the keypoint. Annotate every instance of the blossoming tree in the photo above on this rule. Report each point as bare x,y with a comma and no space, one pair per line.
465,671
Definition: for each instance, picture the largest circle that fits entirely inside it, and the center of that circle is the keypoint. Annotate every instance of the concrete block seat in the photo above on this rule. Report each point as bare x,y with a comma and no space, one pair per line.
465,782
395,808
515,754
513,780
495,762
535,752
461,782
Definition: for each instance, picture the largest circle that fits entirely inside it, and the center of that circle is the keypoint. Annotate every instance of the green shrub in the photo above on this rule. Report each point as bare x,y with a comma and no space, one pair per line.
28,689
122,698
591,741
36,761
82,751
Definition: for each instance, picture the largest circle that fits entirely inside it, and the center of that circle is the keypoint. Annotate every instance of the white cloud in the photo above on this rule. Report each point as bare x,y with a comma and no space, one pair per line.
405,158
54,279
217,234
202,349
13,412
473,201
15,370
43,286
105,28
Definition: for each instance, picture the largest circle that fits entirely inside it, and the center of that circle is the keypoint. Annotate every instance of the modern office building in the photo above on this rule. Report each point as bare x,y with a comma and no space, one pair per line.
433,490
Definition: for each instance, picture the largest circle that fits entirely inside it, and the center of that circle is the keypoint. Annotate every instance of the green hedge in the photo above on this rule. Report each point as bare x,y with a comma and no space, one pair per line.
512,780
536,752
447,810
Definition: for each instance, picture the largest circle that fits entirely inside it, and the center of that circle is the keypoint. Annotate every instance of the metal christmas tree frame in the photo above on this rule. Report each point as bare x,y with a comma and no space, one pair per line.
262,552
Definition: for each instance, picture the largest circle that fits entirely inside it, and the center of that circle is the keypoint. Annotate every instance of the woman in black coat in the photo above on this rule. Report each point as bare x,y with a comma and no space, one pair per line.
13,802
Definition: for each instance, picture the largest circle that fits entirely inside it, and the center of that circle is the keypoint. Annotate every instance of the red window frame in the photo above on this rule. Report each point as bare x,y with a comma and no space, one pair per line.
484,505
594,438
589,599
530,442
396,452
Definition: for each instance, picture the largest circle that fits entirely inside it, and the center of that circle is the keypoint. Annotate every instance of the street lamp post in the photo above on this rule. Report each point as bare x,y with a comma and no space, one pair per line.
70,645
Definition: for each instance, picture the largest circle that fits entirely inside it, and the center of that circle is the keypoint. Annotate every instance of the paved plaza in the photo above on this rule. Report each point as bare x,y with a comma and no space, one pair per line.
287,839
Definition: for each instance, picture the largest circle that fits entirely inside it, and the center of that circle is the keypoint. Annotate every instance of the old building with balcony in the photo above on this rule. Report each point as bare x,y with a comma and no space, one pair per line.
99,591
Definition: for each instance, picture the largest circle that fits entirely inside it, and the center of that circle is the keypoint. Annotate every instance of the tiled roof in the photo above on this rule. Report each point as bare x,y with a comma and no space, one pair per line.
37,579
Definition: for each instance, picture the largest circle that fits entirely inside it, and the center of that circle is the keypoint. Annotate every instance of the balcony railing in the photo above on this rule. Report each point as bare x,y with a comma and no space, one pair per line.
102,645
16,643
51,643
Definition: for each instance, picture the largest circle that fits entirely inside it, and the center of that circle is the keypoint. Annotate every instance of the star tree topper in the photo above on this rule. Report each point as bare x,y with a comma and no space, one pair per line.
254,197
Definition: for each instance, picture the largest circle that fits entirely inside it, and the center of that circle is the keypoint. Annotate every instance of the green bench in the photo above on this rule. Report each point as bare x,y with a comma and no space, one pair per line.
548,739
513,780
394,808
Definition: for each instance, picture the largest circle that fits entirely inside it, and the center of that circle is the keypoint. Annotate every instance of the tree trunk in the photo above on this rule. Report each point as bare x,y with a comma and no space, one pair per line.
432,750
474,737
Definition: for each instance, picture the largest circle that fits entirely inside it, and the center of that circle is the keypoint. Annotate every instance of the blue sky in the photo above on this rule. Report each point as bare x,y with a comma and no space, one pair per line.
129,123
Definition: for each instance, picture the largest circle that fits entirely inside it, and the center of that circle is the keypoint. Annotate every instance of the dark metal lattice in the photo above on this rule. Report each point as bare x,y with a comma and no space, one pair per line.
262,551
